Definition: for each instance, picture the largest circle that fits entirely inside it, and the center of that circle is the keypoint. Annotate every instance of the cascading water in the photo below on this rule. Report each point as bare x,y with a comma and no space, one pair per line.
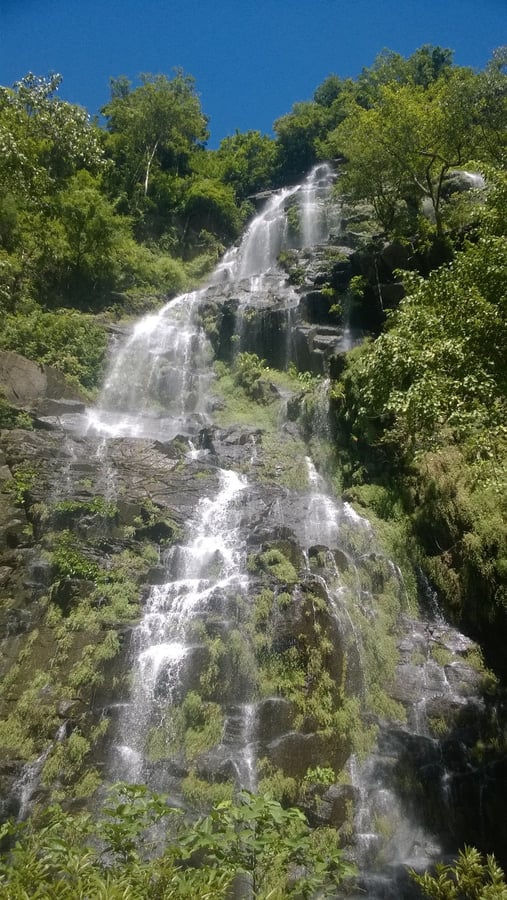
314,215
159,380
202,570
260,571
159,386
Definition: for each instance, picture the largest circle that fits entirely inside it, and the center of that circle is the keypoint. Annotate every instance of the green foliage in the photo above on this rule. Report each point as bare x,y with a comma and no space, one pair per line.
71,342
274,783
209,207
203,795
470,878
255,837
422,68
301,133
422,412
159,120
248,161
402,141
261,839
24,478
275,563
68,561
105,509
10,417
318,775
32,721
248,370
443,357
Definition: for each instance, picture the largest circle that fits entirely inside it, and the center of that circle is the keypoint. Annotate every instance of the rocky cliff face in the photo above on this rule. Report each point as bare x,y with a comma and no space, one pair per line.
187,603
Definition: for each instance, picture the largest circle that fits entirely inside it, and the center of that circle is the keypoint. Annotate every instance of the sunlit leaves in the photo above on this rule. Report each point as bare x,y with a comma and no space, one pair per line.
470,878
122,855
156,124
400,146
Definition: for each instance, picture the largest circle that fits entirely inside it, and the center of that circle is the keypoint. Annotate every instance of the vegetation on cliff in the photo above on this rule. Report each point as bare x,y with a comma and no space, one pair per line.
421,414
114,220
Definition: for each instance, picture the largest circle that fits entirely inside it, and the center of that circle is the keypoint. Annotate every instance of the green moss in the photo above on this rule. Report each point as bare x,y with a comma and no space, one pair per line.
284,461
190,729
97,505
474,658
273,782
10,417
276,564
239,409
204,795
438,726
441,655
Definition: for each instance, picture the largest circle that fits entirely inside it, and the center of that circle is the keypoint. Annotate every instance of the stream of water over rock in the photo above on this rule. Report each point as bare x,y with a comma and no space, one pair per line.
275,630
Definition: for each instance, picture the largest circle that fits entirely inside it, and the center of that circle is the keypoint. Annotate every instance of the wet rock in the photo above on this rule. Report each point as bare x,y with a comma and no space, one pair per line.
274,717
295,753
391,294
69,708
463,680
68,592
156,575
51,407
26,383
459,181
5,573
330,806
12,532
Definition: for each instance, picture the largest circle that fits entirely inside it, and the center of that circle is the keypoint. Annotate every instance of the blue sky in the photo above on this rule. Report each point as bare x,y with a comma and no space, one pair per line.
251,60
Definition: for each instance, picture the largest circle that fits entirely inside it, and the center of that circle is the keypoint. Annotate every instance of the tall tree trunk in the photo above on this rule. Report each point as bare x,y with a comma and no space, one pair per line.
148,167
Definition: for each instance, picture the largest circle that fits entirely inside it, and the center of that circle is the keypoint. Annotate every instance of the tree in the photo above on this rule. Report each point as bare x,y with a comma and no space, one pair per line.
403,146
490,104
248,161
329,91
88,263
422,68
158,123
428,63
58,136
209,206
297,135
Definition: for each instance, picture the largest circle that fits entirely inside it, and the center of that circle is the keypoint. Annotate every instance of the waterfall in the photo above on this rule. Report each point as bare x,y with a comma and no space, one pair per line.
269,581
314,192
159,380
202,570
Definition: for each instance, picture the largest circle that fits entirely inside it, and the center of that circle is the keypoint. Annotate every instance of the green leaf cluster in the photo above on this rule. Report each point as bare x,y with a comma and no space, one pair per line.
470,878
254,838
422,409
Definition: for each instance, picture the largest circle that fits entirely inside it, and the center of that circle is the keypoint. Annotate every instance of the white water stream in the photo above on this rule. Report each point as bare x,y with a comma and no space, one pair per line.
205,567
159,386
